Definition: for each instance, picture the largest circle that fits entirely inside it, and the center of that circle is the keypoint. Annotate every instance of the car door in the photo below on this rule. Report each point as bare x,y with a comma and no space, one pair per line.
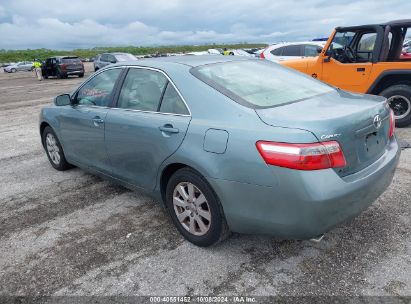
82,125
20,66
147,126
351,76
50,62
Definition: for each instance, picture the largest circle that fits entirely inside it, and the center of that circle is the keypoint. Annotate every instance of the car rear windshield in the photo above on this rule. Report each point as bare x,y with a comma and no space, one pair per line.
125,57
70,60
259,83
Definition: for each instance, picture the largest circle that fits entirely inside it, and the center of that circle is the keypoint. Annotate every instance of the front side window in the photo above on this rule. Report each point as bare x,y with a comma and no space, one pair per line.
311,50
142,90
172,102
111,58
98,91
259,84
104,58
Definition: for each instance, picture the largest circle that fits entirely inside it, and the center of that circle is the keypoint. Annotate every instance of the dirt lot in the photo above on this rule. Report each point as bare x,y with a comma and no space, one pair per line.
71,233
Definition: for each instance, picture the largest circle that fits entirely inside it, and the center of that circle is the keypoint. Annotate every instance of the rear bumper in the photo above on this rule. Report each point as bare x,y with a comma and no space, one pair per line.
304,204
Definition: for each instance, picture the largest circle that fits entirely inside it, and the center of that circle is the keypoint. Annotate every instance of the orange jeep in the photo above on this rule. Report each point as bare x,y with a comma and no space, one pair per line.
366,59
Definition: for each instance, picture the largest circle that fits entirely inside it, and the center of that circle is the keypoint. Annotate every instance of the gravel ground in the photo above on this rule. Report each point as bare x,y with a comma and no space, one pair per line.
71,233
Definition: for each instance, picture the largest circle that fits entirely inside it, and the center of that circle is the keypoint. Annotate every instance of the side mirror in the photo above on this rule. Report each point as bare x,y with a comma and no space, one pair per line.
113,61
319,50
62,100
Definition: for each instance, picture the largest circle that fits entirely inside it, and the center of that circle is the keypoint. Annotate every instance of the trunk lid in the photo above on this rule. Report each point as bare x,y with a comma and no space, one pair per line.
359,123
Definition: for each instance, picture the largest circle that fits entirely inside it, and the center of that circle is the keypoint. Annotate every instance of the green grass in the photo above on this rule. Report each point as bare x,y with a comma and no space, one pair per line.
29,55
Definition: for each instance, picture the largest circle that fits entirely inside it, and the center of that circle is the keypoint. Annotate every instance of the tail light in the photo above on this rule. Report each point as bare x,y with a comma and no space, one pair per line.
63,66
262,54
392,124
313,156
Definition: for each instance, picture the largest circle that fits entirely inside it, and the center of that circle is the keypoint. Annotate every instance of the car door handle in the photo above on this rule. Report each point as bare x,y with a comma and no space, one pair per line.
168,129
360,69
97,121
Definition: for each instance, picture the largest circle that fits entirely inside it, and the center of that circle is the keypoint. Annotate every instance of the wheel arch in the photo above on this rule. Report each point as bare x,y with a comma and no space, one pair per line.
390,78
168,171
43,125
166,174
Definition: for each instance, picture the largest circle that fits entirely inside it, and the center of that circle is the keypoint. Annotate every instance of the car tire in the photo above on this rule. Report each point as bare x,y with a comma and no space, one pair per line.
54,151
81,75
203,224
13,70
399,99
96,69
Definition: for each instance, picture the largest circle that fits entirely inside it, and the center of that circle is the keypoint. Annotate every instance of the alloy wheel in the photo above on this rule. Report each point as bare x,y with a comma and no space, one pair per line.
400,105
52,149
191,208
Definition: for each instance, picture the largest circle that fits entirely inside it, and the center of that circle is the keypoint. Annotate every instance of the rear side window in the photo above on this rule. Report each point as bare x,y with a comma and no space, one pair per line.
142,90
278,51
172,102
292,50
259,83
99,89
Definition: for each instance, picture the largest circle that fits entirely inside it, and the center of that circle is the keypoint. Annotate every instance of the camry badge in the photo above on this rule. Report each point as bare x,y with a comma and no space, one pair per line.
377,121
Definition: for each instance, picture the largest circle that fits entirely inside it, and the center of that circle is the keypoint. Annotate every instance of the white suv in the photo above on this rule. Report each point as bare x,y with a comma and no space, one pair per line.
292,50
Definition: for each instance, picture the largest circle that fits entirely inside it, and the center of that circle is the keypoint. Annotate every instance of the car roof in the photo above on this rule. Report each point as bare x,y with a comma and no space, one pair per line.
68,56
188,60
117,53
281,44
394,23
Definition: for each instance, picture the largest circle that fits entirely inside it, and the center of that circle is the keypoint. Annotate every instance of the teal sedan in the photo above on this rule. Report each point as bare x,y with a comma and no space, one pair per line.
228,144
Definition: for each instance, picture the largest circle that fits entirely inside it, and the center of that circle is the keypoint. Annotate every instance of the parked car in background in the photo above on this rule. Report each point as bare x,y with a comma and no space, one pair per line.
239,52
5,64
214,51
62,67
366,59
292,50
228,143
406,53
201,53
109,58
19,66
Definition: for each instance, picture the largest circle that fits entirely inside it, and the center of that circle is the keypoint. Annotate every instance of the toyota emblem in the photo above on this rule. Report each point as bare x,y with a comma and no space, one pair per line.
377,121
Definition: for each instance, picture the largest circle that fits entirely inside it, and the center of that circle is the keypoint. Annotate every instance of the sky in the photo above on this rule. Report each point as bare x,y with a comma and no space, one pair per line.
70,24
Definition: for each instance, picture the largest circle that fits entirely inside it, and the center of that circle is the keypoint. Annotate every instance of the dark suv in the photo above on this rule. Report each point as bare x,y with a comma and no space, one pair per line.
62,67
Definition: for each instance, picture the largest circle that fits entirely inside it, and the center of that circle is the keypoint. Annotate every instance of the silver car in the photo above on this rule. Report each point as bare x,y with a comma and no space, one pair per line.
19,66
108,58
